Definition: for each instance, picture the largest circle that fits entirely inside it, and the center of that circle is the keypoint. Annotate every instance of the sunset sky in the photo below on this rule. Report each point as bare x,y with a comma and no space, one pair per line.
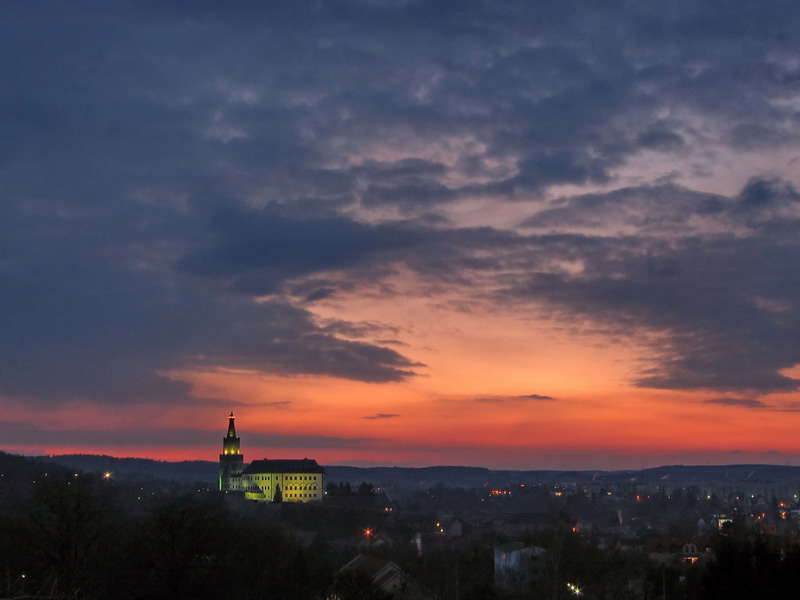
528,235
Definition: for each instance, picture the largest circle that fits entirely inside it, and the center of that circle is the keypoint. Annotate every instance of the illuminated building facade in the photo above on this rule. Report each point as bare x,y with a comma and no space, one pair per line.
297,480
286,480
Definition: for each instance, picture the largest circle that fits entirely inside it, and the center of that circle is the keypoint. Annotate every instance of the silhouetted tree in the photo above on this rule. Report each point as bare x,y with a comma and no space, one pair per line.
355,585
181,544
67,517
365,489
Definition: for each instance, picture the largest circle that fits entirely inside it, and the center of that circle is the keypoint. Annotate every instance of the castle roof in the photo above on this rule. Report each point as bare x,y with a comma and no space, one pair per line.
303,465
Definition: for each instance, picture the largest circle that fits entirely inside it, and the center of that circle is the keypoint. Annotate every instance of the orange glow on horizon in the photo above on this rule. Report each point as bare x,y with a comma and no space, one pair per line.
538,396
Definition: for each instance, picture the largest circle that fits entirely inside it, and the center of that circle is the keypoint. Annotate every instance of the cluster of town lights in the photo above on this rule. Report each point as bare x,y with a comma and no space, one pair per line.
575,589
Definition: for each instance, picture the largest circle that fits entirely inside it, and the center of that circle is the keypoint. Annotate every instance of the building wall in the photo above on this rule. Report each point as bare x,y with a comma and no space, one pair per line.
295,487
230,467
305,485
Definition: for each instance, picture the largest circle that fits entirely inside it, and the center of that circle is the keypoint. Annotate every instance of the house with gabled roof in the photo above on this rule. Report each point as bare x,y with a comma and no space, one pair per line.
386,576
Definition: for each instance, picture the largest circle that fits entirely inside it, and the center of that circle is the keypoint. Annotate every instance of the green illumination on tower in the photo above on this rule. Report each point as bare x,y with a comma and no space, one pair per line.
231,461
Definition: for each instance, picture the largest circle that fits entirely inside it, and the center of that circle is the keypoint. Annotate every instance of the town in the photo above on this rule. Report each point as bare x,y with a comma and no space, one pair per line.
73,529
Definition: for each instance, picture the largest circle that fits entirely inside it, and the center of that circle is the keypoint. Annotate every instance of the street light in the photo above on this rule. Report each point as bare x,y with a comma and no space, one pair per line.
575,589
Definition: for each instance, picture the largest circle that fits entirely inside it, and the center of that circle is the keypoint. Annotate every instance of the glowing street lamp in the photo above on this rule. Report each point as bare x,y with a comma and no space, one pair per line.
575,589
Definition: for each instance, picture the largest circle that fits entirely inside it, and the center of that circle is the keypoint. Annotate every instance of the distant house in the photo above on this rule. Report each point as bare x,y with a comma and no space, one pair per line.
513,564
373,541
679,551
452,526
386,576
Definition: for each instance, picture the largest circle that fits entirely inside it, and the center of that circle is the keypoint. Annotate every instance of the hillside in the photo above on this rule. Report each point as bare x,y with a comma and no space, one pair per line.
425,477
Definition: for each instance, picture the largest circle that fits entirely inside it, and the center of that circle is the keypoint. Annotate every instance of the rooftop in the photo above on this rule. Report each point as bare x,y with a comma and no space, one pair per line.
302,465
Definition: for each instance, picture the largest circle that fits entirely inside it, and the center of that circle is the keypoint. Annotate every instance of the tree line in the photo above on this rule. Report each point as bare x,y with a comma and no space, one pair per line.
77,537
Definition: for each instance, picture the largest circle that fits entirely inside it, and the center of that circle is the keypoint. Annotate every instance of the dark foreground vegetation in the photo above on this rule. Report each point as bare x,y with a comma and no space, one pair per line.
83,537
72,539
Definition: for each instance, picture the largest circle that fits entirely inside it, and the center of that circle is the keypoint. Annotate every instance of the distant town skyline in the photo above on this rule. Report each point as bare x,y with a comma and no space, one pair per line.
513,235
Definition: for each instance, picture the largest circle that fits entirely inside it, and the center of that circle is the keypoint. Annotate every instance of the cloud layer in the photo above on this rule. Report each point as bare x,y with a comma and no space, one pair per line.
182,182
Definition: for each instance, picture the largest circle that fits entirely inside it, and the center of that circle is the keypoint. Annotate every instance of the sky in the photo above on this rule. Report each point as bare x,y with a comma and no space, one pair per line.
520,235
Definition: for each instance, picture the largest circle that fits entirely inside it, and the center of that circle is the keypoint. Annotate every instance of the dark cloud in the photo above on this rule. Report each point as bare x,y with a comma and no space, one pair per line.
100,319
391,342
743,402
723,310
182,182
320,294
659,210
257,251
788,407
279,440
381,416
660,139
20,433
501,399
361,329
275,404
710,277
762,193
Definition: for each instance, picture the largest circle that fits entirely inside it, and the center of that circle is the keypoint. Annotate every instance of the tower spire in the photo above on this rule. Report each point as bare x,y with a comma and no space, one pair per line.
231,461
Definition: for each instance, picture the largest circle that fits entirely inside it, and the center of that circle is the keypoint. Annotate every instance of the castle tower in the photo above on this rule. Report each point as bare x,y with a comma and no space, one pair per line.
231,461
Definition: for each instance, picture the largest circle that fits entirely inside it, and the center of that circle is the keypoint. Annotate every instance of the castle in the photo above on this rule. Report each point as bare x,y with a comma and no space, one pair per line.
283,480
